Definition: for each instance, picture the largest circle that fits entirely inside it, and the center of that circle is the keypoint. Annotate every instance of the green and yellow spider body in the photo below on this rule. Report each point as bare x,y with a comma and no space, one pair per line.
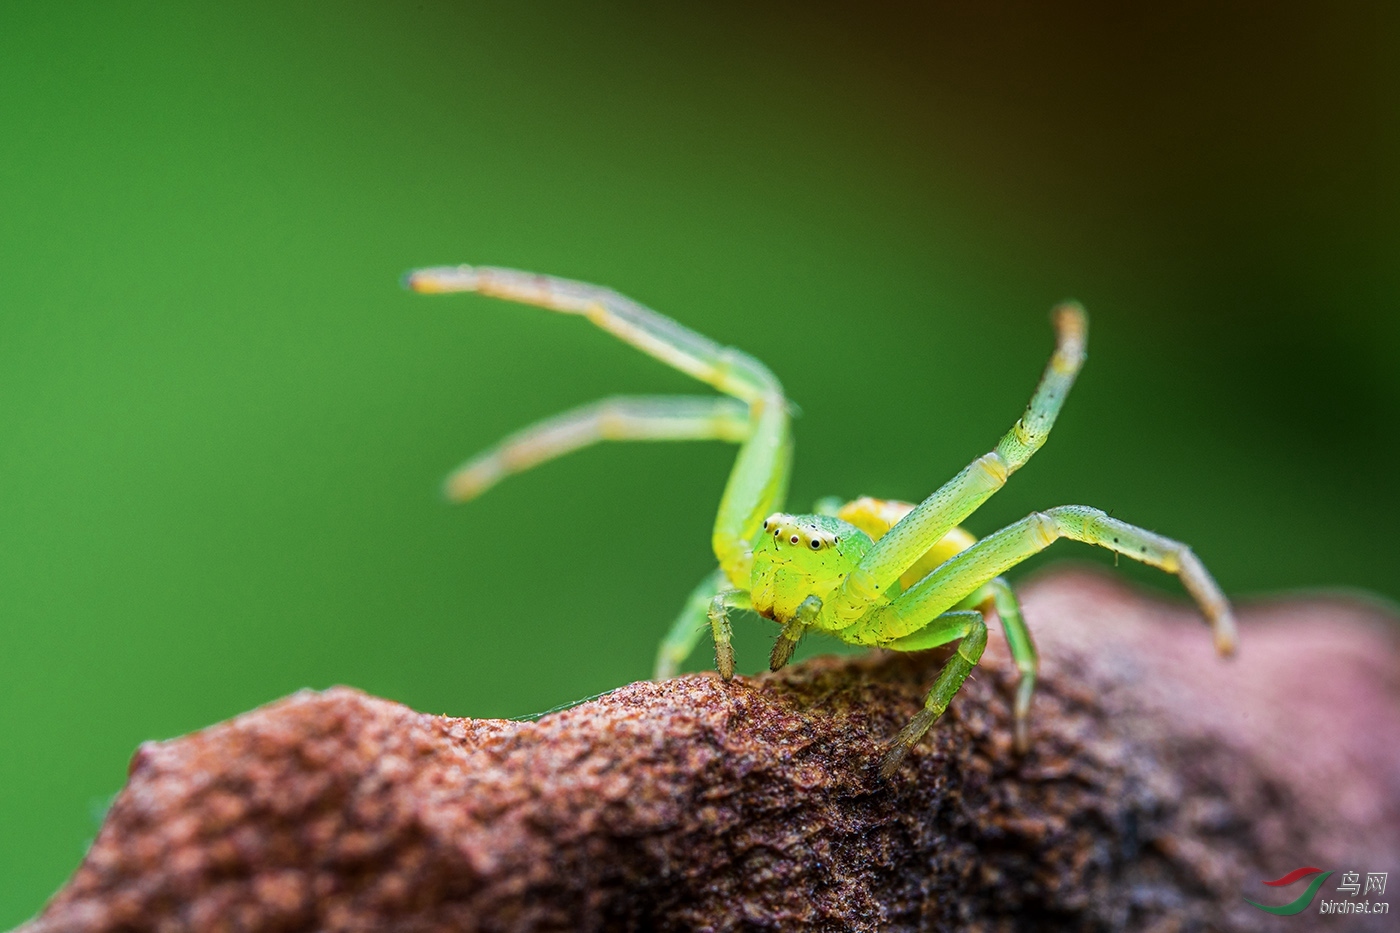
896,575
799,556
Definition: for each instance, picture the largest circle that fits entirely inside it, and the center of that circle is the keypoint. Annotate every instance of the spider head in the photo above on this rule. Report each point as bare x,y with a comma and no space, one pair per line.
796,556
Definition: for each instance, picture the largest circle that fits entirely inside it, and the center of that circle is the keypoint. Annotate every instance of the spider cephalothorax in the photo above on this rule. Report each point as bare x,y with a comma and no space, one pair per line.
869,571
798,556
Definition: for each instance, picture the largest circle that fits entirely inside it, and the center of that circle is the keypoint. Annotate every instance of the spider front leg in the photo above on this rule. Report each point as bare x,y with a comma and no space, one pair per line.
971,629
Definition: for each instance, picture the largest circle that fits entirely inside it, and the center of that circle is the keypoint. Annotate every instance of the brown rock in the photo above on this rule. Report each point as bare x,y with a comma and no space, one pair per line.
1164,784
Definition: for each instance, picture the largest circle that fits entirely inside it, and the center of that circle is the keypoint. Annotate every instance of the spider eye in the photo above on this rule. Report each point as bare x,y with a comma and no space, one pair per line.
816,544
765,524
794,539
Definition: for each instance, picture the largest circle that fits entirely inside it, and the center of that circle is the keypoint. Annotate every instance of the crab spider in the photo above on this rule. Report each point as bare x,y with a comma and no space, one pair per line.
870,572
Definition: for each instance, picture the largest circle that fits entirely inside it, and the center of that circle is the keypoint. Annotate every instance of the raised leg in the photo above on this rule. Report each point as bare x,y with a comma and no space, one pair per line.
759,478
756,488
866,588
964,574
972,630
685,632
645,418
722,631
731,371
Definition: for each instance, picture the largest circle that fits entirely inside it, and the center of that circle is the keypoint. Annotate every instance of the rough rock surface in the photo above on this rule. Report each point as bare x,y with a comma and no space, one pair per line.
1163,786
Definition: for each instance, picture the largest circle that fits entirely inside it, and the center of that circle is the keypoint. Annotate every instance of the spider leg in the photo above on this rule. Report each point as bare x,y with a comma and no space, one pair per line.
756,488
964,574
865,589
759,479
685,632
642,418
1018,639
722,631
731,371
797,626
876,517
971,628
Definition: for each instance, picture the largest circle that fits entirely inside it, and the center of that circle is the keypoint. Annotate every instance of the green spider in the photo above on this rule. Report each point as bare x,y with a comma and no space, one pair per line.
870,572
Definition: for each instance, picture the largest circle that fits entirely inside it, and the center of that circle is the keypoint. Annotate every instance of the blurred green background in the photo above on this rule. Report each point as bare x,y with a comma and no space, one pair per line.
222,424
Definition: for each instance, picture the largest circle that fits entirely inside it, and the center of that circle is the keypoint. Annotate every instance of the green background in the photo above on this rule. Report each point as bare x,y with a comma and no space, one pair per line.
222,424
